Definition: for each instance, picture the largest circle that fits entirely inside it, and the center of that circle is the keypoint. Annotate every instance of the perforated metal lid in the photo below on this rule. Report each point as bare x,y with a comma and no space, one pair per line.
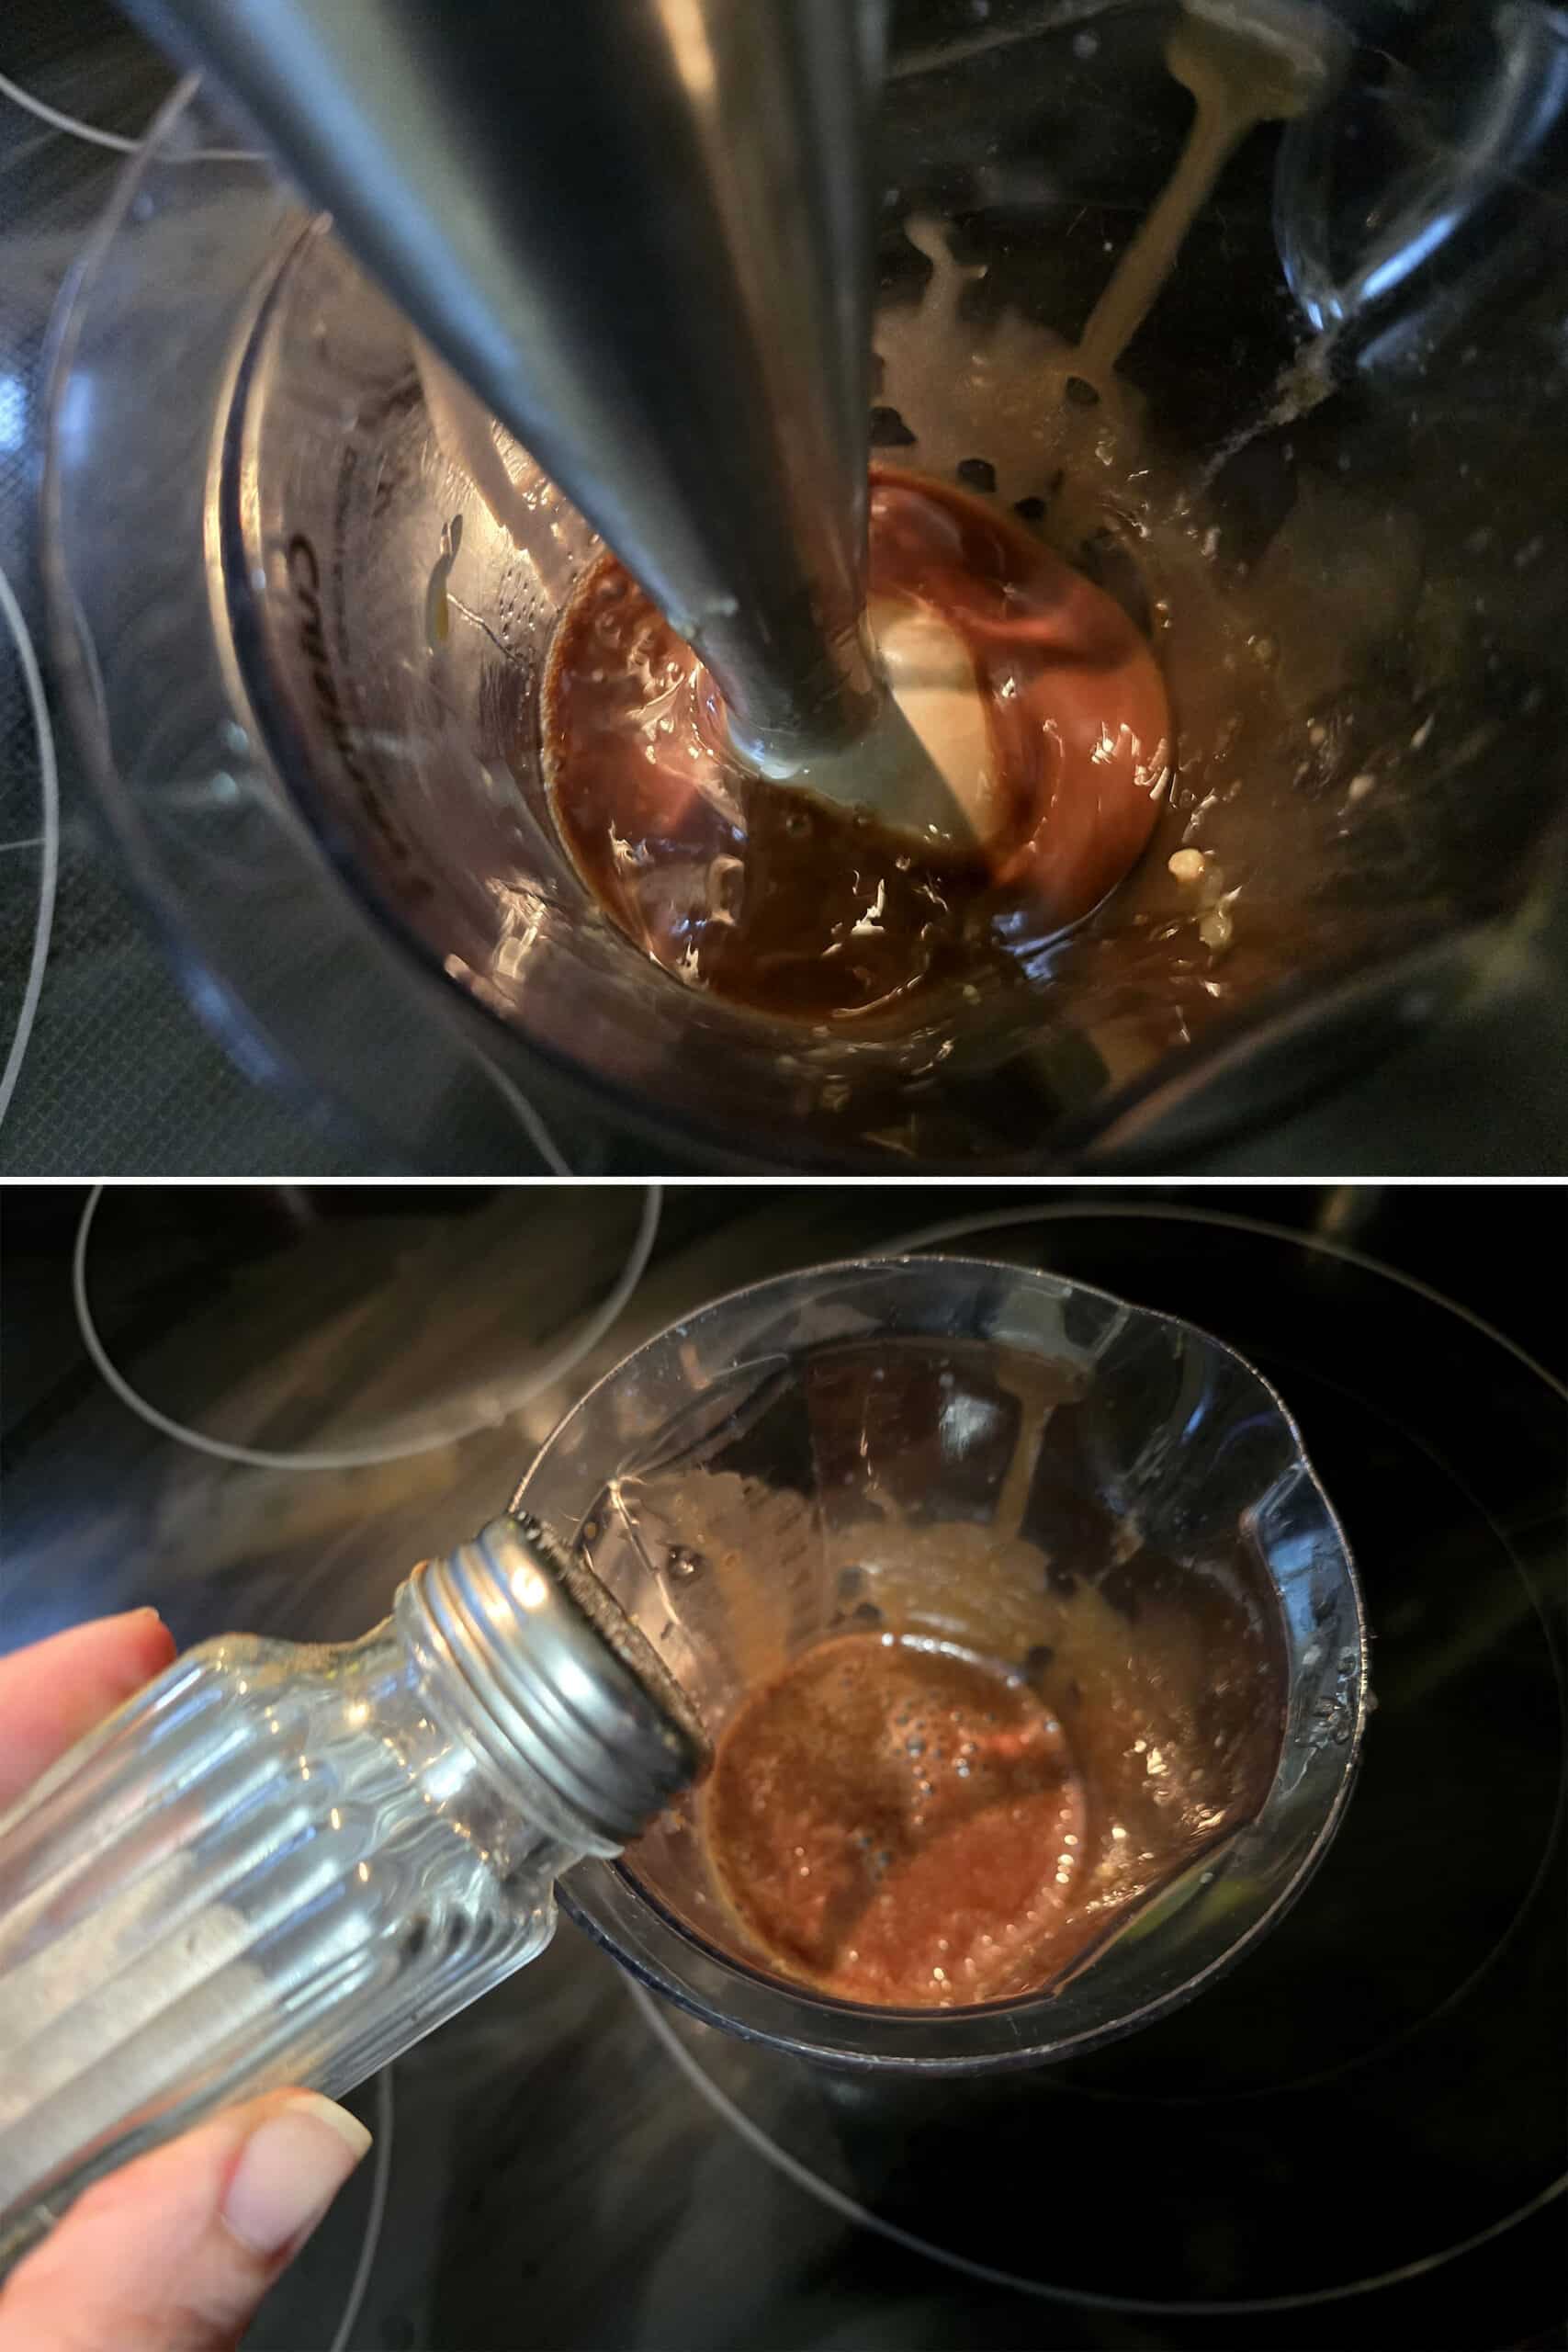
555,1683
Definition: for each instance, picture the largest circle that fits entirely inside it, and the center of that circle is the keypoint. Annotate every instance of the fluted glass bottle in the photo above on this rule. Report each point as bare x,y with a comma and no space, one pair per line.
281,1864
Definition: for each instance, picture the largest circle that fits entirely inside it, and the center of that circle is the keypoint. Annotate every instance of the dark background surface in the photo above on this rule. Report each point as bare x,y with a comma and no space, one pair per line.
555,2181
122,1078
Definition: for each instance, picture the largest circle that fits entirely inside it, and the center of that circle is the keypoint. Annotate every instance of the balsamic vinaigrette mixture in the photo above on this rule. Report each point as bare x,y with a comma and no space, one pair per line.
772,897
900,1825
960,1788
903,1819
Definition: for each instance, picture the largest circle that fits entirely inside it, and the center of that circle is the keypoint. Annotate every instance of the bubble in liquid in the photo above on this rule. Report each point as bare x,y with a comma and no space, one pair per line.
681,1563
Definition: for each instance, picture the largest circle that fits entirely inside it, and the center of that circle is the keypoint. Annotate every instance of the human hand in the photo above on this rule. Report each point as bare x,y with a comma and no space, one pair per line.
174,2252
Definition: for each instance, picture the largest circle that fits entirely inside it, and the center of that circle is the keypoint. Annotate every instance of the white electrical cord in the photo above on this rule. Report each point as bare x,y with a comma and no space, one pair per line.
48,864
377,2215
362,1457
528,1119
113,140
66,122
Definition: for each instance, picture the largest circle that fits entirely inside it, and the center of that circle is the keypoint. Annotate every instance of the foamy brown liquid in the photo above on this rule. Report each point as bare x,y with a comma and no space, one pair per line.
1047,1655
899,1824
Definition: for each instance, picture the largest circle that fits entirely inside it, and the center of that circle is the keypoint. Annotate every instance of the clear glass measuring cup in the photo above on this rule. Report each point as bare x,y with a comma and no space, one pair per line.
1040,1473
301,628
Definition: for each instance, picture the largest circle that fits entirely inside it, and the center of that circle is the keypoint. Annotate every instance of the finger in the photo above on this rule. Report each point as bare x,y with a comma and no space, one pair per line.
173,2253
55,1690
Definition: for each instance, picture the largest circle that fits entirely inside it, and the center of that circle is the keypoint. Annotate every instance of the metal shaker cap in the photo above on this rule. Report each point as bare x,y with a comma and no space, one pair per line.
555,1684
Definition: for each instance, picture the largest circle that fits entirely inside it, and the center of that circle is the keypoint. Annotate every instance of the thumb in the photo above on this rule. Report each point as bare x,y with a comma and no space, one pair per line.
173,2253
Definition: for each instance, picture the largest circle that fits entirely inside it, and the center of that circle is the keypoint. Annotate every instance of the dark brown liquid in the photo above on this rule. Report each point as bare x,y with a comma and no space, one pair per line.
772,897
899,1824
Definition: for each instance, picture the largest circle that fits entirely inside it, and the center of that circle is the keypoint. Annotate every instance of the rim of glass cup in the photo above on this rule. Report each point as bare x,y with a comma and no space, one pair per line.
674,1960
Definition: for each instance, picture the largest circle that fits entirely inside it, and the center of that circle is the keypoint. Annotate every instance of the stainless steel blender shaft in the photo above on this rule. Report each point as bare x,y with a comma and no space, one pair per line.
641,231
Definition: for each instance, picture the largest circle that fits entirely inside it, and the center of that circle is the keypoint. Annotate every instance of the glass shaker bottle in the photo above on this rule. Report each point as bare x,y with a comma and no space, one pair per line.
284,1864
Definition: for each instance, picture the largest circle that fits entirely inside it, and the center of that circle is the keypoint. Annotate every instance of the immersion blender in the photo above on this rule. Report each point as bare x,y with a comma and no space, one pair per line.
641,231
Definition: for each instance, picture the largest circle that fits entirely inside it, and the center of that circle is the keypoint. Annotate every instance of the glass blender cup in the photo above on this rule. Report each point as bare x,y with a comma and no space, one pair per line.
1006,1464
302,617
